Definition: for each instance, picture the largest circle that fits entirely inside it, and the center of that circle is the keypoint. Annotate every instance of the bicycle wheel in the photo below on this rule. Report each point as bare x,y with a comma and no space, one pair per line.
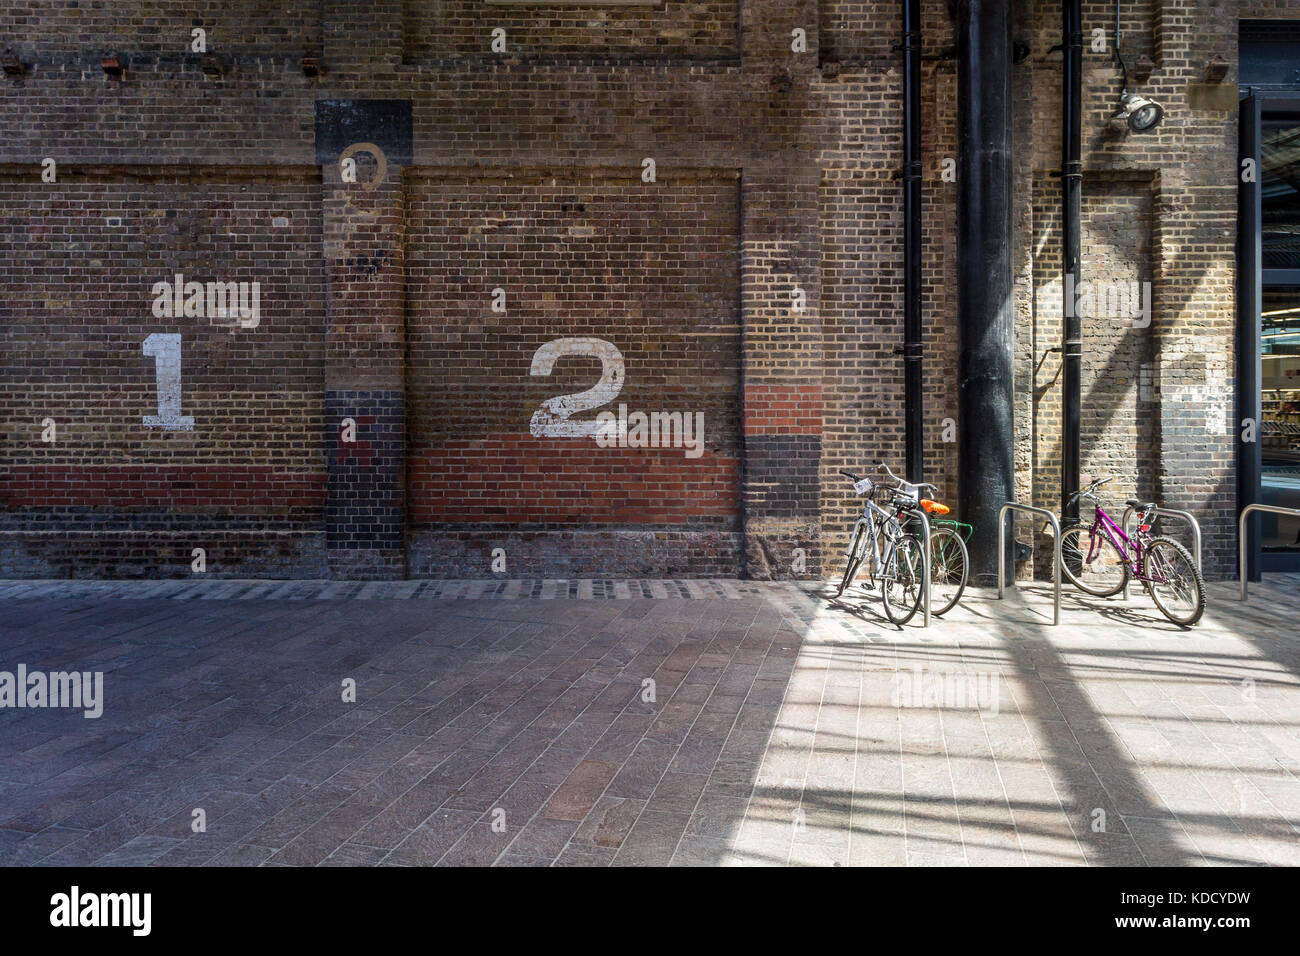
1092,562
949,569
857,551
1174,581
901,585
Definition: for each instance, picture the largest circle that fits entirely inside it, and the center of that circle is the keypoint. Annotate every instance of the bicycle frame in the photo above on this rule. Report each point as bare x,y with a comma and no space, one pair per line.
876,519
961,527
1131,548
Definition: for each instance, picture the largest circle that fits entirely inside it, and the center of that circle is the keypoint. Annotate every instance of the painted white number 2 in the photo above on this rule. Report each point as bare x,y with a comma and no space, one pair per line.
165,347
551,420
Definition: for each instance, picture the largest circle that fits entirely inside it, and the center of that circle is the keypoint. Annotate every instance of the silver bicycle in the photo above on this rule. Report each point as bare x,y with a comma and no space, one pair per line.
895,553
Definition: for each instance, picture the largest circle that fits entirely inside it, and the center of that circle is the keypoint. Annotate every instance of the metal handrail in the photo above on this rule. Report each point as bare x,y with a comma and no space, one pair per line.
1056,552
1170,513
1242,537
920,514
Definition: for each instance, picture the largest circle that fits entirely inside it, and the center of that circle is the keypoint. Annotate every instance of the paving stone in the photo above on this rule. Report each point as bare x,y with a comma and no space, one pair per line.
653,839
609,821
542,838
580,791
140,851
575,855
430,841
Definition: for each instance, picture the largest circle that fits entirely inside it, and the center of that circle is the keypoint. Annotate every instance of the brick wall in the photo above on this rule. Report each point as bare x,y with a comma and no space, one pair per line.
651,269
83,259
670,29
1161,207
157,26
776,171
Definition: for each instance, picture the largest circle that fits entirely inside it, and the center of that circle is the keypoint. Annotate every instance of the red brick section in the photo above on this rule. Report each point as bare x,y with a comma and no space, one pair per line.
570,482
772,409
782,360
247,489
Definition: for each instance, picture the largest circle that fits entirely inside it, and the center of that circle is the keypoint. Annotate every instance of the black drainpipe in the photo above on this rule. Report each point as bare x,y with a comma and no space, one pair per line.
913,416
986,375
1071,189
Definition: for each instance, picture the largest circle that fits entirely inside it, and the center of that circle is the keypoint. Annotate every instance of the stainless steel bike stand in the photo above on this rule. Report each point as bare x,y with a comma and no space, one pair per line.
1241,535
1056,552
925,558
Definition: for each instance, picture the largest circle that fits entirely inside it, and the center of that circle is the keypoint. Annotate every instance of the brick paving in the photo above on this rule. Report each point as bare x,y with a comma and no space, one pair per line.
511,723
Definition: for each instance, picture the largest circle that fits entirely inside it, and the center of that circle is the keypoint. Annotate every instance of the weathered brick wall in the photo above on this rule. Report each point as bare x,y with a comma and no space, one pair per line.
157,26
671,29
83,258
862,245
776,171
1161,207
651,269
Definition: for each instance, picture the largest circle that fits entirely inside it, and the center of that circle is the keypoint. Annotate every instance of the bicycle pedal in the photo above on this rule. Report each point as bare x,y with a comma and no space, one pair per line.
868,585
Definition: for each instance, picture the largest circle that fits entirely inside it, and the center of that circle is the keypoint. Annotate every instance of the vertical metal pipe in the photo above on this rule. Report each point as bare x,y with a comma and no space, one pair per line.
914,415
1071,191
986,375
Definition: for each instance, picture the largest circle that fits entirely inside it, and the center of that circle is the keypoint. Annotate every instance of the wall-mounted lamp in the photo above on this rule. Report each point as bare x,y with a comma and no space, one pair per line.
113,68
1141,114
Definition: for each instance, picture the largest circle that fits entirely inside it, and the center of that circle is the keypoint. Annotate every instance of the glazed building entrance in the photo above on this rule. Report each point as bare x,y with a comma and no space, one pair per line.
1269,288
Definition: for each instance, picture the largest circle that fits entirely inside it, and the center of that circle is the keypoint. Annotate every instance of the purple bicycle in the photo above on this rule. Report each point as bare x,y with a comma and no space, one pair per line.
1100,559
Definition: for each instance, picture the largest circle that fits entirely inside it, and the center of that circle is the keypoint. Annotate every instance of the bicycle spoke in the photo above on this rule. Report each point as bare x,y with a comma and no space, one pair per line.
948,570
1092,562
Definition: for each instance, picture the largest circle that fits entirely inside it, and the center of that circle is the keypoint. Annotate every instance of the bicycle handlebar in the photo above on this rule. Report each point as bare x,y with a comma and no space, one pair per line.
915,485
1088,492
906,488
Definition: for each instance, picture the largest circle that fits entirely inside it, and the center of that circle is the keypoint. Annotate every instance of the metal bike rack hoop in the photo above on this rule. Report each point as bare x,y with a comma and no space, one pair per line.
1168,513
925,558
1241,535
1056,552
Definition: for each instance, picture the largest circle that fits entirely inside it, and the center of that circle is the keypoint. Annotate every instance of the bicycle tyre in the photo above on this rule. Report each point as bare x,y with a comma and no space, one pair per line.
1106,552
857,551
1152,556
903,580
949,567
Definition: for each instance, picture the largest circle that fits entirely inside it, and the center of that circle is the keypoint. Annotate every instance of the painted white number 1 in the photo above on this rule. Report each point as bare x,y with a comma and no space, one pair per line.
551,420
165,347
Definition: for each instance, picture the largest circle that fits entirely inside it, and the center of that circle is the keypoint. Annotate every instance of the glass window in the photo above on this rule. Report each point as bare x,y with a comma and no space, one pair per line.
1279,157
1279,340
